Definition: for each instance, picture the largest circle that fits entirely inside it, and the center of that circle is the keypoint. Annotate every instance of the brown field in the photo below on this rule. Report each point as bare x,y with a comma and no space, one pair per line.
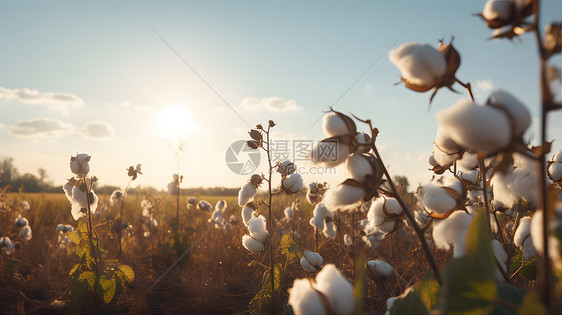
214,277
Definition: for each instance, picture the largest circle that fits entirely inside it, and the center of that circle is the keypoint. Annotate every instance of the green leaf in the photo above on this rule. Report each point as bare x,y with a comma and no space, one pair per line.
411,303
428,289
289,247
469,282
89,277
127,273
508,300
74,237
532,304
106,289
74,269
359,286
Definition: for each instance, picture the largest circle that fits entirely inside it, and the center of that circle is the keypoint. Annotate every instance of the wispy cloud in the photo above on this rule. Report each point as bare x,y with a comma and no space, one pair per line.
97,130
140,108
39,127
273,104
481,89
54,100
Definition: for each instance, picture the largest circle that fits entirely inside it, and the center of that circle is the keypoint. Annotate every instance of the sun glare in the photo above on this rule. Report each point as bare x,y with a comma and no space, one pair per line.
175,122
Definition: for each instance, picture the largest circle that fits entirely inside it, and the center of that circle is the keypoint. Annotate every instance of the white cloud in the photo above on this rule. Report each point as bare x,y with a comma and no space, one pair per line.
97,130
141,108
272,104
481,89
54,100
39,127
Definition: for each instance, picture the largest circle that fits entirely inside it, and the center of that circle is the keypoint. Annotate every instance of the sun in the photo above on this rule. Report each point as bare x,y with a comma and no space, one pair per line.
175,122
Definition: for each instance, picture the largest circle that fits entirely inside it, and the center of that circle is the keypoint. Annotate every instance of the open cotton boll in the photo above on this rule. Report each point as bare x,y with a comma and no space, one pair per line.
251,244
523,238
330,230
21,222
358,167
246,194
420,64
292,183
497,9
444,159
221,205
337,289
335,125
318,216
383,207
288,213
432,161
6,245
501,258
517,112
474,127
311,261
363,142
444,143
468,162
557,157
25,205
147,208
380,268
116,197
26,233
304,299
347,240
554,246
436,199
422,218
204,206
329,153
257,228
504,195
151,222
80,164
524,179
452,231
247,214
454,183
343,196
555,171
471,176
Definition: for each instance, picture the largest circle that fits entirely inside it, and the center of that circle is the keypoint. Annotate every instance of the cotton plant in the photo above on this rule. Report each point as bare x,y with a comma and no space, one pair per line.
383,217
331,293
116,197
256,239
25,229
6,245
508,18
218,216
249,190
554,168
442,200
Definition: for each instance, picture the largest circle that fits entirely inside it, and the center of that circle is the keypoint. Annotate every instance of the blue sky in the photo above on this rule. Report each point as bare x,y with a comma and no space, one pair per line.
122,77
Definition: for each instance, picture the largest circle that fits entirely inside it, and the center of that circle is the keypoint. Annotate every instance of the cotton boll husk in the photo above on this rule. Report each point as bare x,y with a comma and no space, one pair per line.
304,299
474,127
380,268
358,167
246,194
420,64
343,196
523,238
337,289
497,9
247,214
515,109
341,150
329,230
471,176
292,183
333,125
501,257
555,171
554,246
452,231
311,261
251,244
6,245
80,165
257,228
436,199
468,162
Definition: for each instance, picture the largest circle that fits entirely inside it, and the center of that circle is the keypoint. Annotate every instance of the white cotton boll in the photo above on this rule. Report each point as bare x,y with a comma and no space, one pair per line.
333,125
452,231
358,167
444,159
68,228
454,183
337,289
191,200
151,222
436,199
390,304
432,161
525,180
329,153
497,9
257,228
319,214
514,108
147,208
555,171
79,202
221,205
304,299
347,240
25,205
6,245
80,164
363,142
504,195
311,261
288,213
420,64
378,207
67,188
444,143
471,176
468,162
554,245
422,218
246,194
343,195
380,268
330,230
557,157
523,239
116,197
247,214
501,258
292,183
60,227
474,127
26,233
251,244
21,222
204,206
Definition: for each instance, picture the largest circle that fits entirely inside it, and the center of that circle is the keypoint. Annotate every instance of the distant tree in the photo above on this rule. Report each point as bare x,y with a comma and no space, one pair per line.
28,183
8,172
402,180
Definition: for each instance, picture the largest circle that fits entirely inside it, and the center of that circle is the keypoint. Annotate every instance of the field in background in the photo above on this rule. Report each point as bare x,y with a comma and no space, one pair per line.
215,276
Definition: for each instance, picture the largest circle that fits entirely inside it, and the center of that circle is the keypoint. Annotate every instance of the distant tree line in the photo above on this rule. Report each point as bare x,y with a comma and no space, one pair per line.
27,182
